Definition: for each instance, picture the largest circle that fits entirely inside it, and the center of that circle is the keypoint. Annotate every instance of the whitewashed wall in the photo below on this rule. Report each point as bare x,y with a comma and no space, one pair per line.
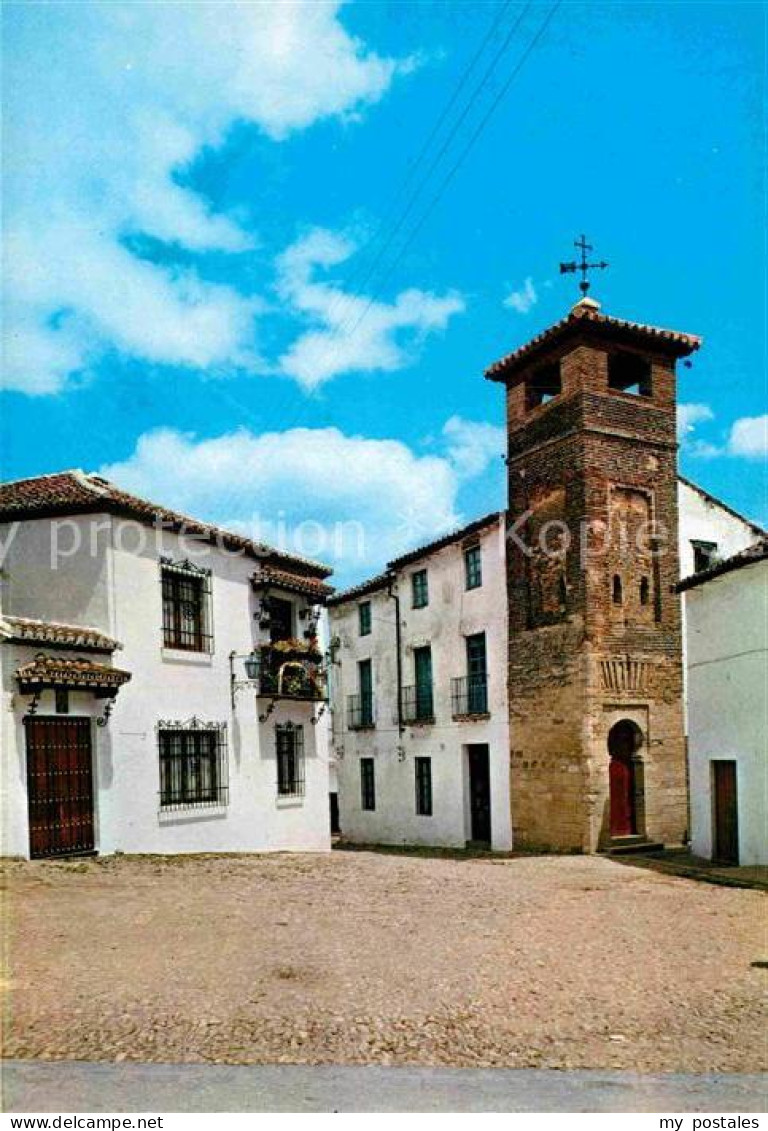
453,613
727,665
704,520
120,593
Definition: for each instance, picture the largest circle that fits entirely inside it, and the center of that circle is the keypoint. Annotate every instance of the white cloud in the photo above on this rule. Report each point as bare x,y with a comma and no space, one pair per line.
524,299
689,415
349,332
348,499
749,437
473,445
107,103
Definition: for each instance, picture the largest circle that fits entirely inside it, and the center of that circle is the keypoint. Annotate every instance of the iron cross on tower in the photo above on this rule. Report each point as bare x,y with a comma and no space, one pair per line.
582,265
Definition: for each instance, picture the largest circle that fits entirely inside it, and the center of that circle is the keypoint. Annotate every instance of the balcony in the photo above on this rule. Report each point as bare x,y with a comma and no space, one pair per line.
291,669
469,696
418,704
360,711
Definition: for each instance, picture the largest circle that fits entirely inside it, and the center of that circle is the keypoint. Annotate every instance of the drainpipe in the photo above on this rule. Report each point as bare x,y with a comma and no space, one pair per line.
391,582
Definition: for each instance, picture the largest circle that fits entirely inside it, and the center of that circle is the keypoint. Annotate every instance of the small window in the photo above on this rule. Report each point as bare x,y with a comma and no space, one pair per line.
186,594
543,385
419,589
473,567
629,373
289,741
617,592
645,591
704,555
424,787
364,614
367,784
62,701
365,685
192,767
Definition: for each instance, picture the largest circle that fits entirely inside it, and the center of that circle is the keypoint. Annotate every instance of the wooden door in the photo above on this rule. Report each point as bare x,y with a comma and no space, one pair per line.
622,789
725,812
59,786
480,793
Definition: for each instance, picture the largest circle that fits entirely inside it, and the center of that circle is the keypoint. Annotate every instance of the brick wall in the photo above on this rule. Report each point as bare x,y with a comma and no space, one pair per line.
593,462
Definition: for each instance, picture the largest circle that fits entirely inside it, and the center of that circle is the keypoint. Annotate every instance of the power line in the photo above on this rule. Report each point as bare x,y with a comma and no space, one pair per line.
423,181
363,273
458,163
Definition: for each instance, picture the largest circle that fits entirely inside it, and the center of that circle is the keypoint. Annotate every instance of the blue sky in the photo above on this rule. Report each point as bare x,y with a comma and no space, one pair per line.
205,299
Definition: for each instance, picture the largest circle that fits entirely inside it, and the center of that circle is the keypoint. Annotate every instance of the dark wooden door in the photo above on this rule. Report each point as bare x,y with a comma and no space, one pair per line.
622,788
726,812
59,786
480,793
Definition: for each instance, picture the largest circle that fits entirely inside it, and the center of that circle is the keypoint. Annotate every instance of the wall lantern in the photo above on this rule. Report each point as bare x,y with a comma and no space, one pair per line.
252,665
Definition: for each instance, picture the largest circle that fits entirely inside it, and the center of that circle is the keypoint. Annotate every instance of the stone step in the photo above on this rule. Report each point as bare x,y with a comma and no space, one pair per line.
623,845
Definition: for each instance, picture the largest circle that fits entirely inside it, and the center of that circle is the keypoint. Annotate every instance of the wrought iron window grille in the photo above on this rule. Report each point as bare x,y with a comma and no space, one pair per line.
193,764
289,745
360,713
469,695
418,704
186,592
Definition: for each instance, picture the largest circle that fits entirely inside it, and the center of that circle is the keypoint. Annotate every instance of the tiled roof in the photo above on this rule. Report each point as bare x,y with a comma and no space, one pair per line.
78,492
292,582
381,580
48,671
587,314
372,585
27,631
757,552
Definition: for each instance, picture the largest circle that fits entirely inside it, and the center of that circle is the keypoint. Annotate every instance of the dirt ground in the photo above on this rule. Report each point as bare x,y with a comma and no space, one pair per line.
365,957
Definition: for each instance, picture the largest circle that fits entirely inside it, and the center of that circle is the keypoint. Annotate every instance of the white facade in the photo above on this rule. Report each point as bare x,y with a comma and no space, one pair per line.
452,613
108,577
727,666
704,520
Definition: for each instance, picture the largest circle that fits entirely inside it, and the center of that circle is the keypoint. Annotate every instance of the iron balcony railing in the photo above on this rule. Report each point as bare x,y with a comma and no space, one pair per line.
469,695
291,673
360,710
418,704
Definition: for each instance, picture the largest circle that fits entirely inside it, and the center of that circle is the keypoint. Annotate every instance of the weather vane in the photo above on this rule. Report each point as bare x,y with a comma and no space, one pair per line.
583,265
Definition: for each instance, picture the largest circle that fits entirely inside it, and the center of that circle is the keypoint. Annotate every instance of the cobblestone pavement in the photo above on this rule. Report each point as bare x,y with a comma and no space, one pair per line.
367,958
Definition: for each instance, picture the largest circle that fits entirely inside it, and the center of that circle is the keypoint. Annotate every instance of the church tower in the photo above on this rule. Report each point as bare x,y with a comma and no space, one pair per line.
595,656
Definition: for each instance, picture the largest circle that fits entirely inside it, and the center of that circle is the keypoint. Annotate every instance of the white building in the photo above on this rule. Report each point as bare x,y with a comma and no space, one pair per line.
430,765
129,721
726,609
441,775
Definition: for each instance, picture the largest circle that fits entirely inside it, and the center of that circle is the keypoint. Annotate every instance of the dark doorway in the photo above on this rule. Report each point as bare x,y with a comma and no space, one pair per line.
59,786
480,793
725,815
624,740
280,619
334,803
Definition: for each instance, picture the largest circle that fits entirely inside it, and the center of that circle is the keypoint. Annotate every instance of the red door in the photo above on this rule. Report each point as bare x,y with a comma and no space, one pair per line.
622,790
59,786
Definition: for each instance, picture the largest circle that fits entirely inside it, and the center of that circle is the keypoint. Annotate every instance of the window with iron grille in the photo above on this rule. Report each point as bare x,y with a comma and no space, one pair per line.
186,608
419,589
290,760
423,787
193,767
473,567
367,784
364,612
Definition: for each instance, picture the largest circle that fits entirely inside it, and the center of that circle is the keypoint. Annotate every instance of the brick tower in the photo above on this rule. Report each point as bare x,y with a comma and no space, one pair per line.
595,657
